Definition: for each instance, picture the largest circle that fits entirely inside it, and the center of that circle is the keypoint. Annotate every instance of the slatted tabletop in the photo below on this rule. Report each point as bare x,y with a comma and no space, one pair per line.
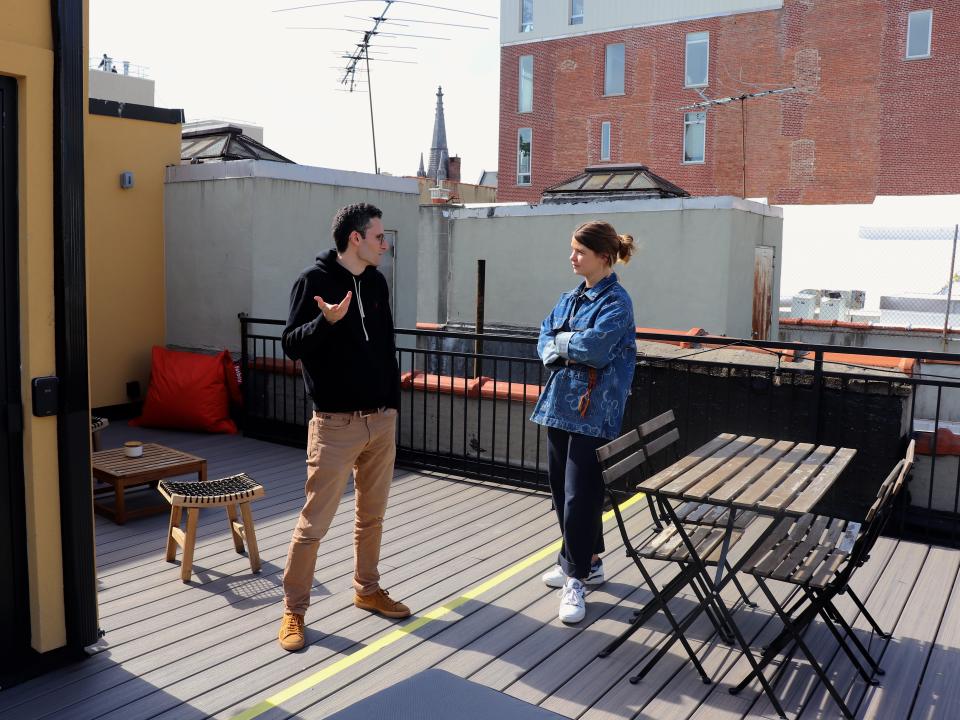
121,472
748,473
114,463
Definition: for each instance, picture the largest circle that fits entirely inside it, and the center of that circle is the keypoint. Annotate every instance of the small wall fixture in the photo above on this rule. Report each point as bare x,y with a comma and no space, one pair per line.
126,180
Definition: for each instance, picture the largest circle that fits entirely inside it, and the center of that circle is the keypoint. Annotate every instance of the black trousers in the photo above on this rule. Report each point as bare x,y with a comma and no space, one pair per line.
577,487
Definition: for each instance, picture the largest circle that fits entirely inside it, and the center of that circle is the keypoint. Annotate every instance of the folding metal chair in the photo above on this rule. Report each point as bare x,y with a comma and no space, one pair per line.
819,555
618,459
661,440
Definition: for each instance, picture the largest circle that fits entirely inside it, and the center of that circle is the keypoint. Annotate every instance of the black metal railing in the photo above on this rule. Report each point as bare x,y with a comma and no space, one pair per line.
466,400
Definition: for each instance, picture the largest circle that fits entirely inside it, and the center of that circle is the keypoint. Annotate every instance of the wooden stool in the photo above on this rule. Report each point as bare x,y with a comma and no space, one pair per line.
228,492
96,425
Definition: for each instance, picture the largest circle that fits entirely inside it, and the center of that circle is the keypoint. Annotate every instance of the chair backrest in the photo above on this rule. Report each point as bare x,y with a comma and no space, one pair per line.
617,471
659,434
619,457
881,509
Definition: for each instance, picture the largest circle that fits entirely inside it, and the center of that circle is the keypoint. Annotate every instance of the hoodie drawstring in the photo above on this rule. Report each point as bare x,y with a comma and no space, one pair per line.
356,287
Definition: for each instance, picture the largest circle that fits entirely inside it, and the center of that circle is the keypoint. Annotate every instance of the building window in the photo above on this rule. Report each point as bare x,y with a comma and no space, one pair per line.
576,12
694,137
919,31
524,141
605,141
525,98
526,16
613,70
697,59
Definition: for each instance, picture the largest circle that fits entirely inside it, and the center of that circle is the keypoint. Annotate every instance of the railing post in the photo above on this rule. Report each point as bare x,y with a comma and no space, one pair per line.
818,395
244,370
481,292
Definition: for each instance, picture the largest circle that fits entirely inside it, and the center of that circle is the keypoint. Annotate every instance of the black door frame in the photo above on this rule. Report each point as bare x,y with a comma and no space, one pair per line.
15,592
70,308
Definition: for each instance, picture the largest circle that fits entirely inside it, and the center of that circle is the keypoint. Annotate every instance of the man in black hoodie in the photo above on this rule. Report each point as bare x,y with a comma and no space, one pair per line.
341,330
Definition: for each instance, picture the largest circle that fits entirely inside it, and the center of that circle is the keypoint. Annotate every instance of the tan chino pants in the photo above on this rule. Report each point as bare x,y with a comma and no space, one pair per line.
338,444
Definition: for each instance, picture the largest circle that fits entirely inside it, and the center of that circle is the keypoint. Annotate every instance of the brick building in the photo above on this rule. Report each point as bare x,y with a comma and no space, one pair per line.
590,81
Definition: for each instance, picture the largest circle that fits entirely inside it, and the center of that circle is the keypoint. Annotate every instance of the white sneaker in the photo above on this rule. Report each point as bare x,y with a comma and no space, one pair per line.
572,605
555,577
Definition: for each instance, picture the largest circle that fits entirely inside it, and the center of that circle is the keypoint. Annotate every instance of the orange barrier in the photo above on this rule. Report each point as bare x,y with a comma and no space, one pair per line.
504,390
280,366
443,384
948,442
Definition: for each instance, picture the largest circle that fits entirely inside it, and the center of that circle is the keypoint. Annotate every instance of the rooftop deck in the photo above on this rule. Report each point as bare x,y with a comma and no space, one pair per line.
466,556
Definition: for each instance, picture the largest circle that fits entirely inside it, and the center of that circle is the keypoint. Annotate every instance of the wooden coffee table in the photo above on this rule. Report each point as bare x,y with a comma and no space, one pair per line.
121,472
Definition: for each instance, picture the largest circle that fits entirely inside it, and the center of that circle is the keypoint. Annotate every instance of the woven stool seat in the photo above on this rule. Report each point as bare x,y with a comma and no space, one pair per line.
232,493
233,489
96,425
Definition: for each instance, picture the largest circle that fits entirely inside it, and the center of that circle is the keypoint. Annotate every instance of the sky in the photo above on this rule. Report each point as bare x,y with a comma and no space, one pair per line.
236,60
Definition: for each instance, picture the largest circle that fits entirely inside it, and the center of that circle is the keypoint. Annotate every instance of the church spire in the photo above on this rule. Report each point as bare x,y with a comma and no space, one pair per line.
421,172
439,154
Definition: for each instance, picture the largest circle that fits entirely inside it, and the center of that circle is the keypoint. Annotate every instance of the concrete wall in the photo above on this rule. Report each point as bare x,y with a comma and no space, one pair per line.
693,268
120,87
125,265
238,234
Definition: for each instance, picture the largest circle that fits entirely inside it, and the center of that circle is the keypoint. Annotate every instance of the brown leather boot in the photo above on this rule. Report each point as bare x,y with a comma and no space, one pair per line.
381,602
291,632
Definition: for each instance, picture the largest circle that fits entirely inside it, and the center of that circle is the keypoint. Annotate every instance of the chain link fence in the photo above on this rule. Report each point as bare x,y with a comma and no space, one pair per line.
890,280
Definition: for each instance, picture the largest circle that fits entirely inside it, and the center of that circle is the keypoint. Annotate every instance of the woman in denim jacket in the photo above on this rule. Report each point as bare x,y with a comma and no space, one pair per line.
588,342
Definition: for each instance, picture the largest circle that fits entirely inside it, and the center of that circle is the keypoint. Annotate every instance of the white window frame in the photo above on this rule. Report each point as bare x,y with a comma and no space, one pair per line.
916,13
696,38
529,173
520,104
687,122
526,27
605,140
575,18
606,70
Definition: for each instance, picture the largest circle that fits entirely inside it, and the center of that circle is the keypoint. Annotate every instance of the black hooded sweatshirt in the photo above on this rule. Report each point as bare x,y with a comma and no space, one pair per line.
352,364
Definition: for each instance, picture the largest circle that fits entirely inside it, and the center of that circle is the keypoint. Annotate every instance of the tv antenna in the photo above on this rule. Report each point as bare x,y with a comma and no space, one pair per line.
707,102
382,27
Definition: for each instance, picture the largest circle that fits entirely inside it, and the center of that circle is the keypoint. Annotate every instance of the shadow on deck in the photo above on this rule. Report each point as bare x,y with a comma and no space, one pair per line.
466,556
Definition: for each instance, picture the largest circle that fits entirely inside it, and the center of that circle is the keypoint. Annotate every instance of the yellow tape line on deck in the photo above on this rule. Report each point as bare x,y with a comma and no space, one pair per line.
400,633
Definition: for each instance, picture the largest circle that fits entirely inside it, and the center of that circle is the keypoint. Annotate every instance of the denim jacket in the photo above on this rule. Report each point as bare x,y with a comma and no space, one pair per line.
599,340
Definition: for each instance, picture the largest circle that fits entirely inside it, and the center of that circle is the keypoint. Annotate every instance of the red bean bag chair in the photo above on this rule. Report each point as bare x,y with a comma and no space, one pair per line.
188,391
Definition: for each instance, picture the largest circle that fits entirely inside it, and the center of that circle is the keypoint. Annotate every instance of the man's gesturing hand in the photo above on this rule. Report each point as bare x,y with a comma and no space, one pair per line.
333,313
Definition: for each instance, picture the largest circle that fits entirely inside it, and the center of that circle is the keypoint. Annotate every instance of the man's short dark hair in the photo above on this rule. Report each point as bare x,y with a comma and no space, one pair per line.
351,218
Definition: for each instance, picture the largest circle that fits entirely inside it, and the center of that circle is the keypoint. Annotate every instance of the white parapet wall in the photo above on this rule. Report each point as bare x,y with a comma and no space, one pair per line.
238,233
694,262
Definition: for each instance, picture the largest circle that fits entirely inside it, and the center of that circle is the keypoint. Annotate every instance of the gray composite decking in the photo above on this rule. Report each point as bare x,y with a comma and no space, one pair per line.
460,551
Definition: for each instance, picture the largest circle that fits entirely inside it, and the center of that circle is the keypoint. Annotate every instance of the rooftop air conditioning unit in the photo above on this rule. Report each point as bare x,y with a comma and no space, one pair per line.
803,306
834,307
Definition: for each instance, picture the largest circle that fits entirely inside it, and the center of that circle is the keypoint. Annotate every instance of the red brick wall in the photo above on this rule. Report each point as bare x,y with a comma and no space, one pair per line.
863,121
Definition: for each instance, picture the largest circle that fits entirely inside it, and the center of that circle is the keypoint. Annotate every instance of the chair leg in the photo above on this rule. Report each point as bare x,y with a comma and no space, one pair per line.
172,531
874,665
251,536
798,639
862,608
234,527
678,632
654,514
743,594
190,539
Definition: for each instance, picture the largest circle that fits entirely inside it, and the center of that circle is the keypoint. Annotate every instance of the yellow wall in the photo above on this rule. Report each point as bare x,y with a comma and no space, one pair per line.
125,275
26,52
